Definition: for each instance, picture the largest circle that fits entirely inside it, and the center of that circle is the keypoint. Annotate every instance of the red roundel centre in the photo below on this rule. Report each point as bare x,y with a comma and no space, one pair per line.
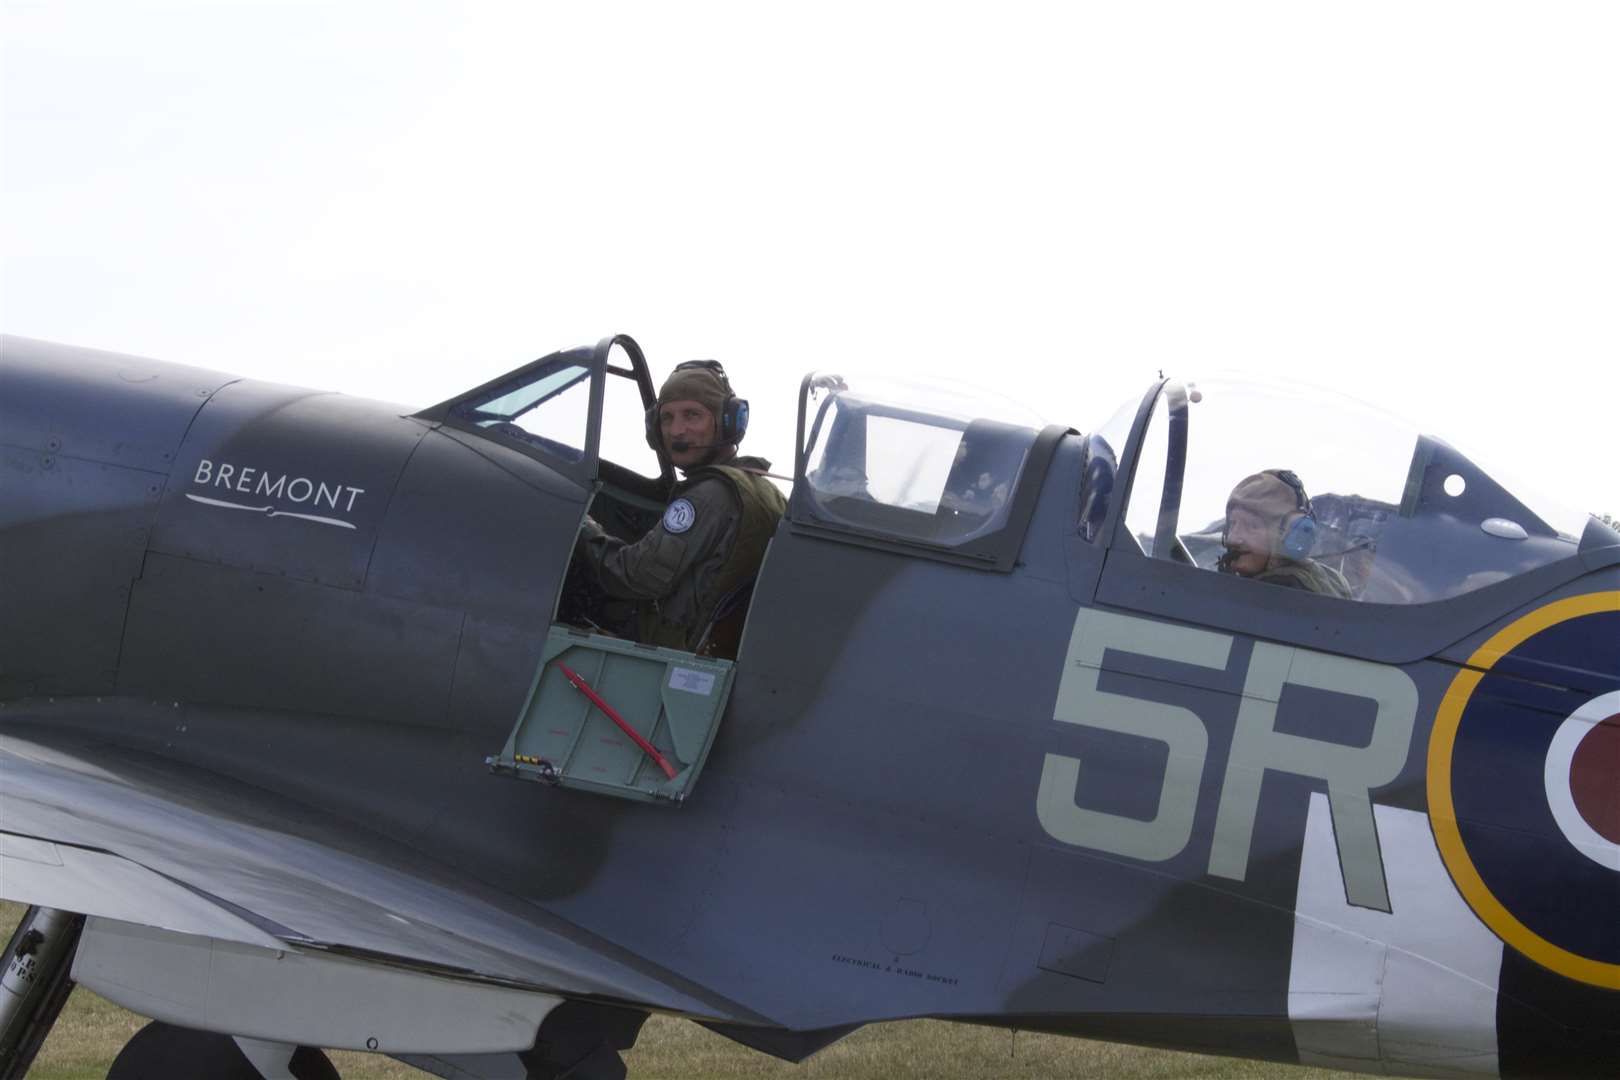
1594,778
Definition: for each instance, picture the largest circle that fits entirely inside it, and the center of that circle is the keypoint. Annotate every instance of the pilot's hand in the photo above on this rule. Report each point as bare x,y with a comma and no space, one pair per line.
589,529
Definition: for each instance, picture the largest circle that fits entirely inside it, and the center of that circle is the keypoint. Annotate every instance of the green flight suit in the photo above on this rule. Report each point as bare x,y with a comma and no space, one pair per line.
1307,574
711,540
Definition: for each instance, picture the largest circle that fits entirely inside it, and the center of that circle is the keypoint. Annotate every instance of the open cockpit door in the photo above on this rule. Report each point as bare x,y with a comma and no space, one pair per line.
617,717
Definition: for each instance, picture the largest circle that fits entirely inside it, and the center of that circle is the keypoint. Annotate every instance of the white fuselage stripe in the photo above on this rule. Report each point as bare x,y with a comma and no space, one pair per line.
1410,991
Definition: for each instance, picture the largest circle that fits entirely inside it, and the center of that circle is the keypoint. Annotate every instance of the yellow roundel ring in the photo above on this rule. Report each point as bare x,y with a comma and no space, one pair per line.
1443,813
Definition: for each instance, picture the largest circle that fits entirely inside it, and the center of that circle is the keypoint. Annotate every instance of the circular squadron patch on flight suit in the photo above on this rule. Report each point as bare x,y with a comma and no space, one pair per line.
1524,782
679,516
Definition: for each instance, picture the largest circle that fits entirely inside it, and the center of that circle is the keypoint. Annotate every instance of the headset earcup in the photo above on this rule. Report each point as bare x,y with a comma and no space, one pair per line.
1300,537
655,438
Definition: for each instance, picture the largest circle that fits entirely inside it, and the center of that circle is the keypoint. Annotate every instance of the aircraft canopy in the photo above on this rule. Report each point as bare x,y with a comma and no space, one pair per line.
928,464
1406,517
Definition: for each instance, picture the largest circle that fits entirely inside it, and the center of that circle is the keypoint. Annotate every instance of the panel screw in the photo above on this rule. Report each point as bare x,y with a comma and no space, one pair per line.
54,444
47,462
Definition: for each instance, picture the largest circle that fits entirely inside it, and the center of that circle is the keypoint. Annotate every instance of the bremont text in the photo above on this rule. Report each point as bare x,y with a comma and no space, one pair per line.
249,480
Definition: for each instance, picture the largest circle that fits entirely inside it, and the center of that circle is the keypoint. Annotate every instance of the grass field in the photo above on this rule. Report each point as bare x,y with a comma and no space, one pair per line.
91,1031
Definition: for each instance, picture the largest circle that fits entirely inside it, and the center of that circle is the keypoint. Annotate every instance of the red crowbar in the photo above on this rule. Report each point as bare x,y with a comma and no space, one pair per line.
612,714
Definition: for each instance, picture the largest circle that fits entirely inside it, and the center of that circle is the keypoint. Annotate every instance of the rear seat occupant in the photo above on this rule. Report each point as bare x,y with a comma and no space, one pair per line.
1269,533
712,538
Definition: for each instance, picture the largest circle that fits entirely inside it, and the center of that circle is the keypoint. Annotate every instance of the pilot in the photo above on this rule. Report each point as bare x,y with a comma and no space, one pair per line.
712,538
1269,533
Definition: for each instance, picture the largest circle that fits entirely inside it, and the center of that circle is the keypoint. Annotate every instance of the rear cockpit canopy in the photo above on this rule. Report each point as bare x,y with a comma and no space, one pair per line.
1406,517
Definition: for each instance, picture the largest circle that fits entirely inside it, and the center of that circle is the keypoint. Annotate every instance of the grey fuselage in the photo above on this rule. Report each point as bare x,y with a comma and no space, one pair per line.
252,624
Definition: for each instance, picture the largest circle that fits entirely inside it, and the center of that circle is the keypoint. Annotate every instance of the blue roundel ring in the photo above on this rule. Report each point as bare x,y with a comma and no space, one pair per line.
1522,786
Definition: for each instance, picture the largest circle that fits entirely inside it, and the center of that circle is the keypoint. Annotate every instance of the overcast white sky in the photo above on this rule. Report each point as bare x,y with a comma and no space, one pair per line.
1412,203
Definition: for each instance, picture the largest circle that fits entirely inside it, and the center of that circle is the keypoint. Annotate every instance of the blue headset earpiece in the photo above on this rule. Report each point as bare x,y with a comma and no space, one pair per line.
1299,538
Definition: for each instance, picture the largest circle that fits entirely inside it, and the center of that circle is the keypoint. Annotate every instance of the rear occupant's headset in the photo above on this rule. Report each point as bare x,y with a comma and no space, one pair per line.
731,421
1300,536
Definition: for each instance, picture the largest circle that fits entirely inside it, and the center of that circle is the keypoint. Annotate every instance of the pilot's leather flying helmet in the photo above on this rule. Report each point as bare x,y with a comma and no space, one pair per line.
705,382
1277,496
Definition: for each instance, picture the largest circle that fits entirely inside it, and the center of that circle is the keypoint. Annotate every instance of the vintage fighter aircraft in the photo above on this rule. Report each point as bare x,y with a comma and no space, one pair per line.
289,760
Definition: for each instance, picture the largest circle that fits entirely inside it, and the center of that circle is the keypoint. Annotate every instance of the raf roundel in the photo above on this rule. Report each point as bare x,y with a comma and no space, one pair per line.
1583,766
1524,786
679,516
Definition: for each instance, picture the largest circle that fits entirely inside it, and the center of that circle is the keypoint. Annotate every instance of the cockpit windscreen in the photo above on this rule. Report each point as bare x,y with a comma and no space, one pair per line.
922,461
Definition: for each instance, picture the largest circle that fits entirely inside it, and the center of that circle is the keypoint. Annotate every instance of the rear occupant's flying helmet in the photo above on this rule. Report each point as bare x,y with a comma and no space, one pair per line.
1277,497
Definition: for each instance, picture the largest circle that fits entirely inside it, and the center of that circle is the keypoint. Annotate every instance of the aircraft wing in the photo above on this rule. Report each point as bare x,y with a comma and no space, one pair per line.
150,842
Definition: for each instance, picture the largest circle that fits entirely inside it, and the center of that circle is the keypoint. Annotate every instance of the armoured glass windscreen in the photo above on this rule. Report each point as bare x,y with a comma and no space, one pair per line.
1142,511
1104,448
911,460
549,408
1405,517
624,419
